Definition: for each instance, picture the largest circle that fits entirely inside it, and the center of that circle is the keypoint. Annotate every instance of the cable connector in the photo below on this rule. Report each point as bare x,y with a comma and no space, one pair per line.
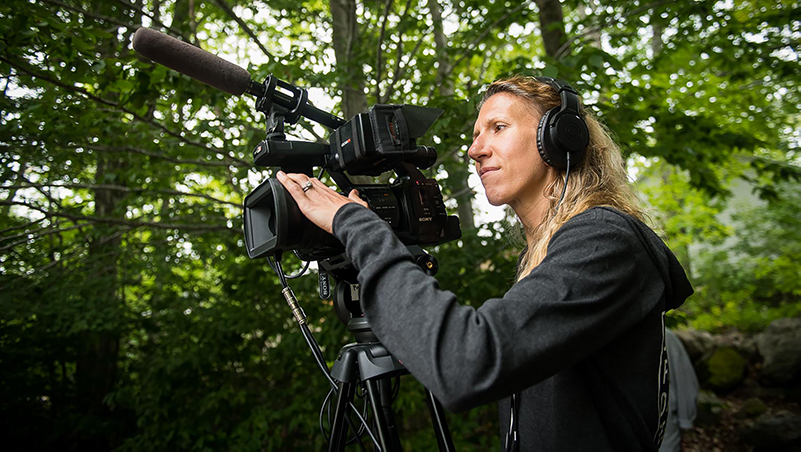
297,311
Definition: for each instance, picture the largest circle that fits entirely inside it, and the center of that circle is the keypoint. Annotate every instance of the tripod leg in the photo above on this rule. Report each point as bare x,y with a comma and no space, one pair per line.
387,433
385,391
444,440
339,431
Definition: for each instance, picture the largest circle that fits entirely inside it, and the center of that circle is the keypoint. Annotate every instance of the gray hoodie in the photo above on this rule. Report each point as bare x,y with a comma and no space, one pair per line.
581,337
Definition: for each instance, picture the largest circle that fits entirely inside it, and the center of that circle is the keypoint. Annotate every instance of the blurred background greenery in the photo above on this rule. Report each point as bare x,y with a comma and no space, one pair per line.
130,315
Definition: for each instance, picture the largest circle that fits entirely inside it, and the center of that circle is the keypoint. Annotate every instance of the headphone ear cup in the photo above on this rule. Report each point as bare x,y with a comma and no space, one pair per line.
545,144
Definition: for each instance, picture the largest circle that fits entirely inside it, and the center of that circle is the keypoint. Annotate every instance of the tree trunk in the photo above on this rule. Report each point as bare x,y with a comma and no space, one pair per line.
465,195
345,40
97,356
552,26
441,47
656,39
351,76
594,37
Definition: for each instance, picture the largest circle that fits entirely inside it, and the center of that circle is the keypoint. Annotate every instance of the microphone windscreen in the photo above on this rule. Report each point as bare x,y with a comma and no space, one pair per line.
192,61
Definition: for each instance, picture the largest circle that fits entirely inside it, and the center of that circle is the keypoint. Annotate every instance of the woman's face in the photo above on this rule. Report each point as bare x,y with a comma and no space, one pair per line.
505,151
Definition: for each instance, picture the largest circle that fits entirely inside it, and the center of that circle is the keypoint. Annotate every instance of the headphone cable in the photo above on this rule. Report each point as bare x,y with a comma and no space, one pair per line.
564,189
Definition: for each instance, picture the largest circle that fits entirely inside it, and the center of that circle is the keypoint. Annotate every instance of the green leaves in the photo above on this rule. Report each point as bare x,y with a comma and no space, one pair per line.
121,236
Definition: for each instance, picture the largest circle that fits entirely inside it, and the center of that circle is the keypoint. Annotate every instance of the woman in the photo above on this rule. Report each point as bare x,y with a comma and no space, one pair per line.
580,336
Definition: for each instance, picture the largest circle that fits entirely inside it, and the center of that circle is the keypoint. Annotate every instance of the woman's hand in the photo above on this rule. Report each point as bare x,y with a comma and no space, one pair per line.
318,202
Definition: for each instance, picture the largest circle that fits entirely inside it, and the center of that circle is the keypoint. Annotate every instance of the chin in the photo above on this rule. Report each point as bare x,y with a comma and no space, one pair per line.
496,200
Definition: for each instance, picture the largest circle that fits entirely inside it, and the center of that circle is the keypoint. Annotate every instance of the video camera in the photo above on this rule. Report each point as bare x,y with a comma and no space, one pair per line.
379,140
374,142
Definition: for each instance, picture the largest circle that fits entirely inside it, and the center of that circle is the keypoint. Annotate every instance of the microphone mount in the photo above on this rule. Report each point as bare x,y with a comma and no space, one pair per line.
285,110
283,103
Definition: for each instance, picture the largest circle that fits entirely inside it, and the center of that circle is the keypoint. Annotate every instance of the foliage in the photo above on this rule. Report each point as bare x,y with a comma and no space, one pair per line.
131,317
753,280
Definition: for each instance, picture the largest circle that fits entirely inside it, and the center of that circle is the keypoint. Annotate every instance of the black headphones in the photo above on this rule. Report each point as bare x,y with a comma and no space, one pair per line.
562,130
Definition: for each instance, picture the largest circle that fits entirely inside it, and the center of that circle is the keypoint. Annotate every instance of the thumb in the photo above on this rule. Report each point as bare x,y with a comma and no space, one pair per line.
354,196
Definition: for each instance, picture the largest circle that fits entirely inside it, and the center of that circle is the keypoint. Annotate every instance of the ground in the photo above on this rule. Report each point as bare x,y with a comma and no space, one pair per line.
726,435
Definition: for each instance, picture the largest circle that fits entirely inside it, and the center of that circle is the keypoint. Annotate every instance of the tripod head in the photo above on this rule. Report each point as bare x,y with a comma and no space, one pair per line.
346,293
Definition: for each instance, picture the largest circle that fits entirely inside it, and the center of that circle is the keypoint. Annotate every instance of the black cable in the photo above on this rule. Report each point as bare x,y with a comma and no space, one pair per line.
303,270
564,189
275,265
396,389
318,356
366,415
322,410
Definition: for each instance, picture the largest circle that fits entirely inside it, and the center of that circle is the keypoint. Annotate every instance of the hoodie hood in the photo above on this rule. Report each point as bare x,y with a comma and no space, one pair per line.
677,286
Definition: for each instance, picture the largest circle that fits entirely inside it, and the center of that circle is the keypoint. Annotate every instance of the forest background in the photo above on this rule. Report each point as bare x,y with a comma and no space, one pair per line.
130,315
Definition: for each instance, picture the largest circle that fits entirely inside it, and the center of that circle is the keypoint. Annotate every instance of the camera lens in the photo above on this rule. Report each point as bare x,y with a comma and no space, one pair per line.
423,158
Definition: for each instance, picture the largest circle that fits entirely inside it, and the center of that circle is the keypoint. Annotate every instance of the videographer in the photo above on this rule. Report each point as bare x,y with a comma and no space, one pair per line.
575,351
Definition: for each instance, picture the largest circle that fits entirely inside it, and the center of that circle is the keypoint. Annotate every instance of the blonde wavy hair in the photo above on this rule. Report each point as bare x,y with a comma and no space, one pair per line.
600,179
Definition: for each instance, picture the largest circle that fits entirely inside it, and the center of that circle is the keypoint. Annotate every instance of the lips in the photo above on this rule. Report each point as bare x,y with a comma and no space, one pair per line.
487,169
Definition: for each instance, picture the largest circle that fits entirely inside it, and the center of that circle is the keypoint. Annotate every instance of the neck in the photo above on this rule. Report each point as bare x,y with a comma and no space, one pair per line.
531,215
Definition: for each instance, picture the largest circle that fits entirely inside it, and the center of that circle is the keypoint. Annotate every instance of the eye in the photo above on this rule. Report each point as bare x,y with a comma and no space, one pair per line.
498,127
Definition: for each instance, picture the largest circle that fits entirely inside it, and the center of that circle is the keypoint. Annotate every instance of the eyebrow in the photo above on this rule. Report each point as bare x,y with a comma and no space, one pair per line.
490,120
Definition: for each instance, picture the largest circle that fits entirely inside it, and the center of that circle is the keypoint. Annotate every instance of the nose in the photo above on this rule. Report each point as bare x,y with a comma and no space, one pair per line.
478,149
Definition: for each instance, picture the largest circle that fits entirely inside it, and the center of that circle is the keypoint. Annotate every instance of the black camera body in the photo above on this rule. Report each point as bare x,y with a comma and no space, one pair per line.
371,143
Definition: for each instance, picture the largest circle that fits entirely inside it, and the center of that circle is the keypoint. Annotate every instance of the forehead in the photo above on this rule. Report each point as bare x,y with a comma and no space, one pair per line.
506,106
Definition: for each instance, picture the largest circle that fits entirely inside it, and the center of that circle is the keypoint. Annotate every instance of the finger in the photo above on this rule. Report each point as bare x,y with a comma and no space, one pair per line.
298,178
354,196
291,186
285,179
318,184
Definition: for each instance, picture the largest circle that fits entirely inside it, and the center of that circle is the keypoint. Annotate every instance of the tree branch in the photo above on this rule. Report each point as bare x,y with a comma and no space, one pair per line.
399,57
23,204
379,51
127,223
486,31
98,99
64,257
153,18
21,227
126,190
309,127
595,29
37,235
224,6
92,15
400,72
236,161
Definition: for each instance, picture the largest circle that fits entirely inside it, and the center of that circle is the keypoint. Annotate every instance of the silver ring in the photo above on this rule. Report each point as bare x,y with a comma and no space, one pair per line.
307,186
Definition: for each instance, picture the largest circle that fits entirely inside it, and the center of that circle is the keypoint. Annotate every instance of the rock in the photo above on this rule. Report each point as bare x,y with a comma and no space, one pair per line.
751,408
773,432
736,340
709,409
780,347
696,343
722,370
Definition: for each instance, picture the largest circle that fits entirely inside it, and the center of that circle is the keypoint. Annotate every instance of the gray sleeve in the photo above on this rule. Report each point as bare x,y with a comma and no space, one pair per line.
582,296
684,386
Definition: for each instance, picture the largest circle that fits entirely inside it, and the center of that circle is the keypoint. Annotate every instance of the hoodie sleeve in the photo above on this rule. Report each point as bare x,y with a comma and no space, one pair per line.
596,282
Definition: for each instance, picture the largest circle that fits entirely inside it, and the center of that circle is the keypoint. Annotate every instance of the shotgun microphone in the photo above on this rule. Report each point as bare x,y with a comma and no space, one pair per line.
195,62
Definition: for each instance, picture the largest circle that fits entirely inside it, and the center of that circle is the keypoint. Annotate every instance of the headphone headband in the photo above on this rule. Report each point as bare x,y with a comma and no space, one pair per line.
569,103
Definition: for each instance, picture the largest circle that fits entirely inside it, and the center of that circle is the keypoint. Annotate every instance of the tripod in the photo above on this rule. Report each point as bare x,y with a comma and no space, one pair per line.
368,361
